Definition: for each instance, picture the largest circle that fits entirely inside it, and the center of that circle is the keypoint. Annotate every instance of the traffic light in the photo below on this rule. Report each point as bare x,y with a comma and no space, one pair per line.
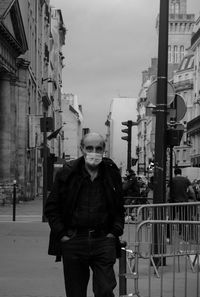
127,131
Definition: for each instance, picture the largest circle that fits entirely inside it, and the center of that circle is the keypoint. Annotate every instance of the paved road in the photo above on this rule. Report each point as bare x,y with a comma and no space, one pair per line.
27,270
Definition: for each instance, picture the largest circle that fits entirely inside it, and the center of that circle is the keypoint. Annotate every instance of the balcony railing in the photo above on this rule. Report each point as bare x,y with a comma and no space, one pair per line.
183,85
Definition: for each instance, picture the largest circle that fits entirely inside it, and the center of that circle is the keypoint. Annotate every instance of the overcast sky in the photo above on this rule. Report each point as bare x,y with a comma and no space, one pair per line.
108,45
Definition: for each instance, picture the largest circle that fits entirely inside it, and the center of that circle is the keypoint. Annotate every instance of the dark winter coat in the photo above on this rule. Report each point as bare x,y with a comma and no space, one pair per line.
61,202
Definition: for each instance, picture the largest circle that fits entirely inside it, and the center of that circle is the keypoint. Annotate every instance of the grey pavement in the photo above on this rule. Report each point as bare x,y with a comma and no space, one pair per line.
28,271
25,211
26,268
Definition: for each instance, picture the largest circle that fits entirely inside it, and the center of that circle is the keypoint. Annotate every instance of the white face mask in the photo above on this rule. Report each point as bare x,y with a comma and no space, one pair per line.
93,159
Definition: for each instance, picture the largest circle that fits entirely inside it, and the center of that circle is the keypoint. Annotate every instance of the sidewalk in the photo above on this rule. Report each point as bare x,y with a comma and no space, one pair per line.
28,271
26,268
25,211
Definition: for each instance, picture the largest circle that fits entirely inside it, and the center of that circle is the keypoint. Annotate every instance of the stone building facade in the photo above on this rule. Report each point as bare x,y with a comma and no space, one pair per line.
193,126
122,109
181,25
12,84
29,32
72,121
183,83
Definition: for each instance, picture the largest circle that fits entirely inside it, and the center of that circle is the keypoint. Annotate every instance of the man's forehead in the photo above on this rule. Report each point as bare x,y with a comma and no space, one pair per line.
94,140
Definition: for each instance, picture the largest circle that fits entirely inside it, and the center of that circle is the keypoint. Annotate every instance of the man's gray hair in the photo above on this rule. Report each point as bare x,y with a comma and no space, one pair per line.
92,134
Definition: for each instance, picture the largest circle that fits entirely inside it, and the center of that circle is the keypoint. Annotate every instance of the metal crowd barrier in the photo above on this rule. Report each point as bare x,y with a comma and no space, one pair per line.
189,211
158,236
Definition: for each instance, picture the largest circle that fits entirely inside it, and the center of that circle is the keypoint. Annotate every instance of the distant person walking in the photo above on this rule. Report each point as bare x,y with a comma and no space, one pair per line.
180,191
86,215
181,188
131,186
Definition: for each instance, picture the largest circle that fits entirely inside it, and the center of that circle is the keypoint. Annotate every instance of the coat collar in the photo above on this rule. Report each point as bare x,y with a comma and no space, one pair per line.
75,166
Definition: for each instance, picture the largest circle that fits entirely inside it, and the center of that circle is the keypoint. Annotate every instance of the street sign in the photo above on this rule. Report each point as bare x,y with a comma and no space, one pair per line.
152,93
49,124
179,106
176,110
174,135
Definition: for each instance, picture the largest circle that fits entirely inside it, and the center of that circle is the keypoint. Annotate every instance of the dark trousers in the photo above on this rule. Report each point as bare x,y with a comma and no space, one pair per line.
81,253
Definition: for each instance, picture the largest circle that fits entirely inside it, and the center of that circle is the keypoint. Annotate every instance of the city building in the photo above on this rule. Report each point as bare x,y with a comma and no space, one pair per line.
181,26
13,67
183,83
193,126
180,30
31,61
122,109
72,121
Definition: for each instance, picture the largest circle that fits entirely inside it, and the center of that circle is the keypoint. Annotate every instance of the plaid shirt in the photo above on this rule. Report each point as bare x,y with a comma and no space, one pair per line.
91,210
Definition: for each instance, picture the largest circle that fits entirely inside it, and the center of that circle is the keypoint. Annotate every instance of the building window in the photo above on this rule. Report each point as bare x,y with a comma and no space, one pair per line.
183,64
181,52
175,54
169,54
191,62
177,8
172,8
177,155
184,155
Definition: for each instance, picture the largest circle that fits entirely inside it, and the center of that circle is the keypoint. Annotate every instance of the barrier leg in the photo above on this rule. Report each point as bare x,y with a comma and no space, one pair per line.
122,273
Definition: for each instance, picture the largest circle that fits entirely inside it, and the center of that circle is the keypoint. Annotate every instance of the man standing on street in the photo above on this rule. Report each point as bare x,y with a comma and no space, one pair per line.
86,217
179,192
180,187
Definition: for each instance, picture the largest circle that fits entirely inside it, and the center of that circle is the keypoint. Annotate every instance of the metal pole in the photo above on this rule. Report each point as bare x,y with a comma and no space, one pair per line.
161,106
171,166
122,271
14,200
44,168
159,195
129,145
145,154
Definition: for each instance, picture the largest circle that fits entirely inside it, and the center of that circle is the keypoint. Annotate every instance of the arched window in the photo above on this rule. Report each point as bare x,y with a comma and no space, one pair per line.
177,8
181,52
175,54
172,8
169,54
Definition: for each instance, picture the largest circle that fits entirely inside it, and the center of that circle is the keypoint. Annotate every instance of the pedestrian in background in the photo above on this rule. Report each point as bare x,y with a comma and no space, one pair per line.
131,186
180,191
181,188
86,217
131,191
